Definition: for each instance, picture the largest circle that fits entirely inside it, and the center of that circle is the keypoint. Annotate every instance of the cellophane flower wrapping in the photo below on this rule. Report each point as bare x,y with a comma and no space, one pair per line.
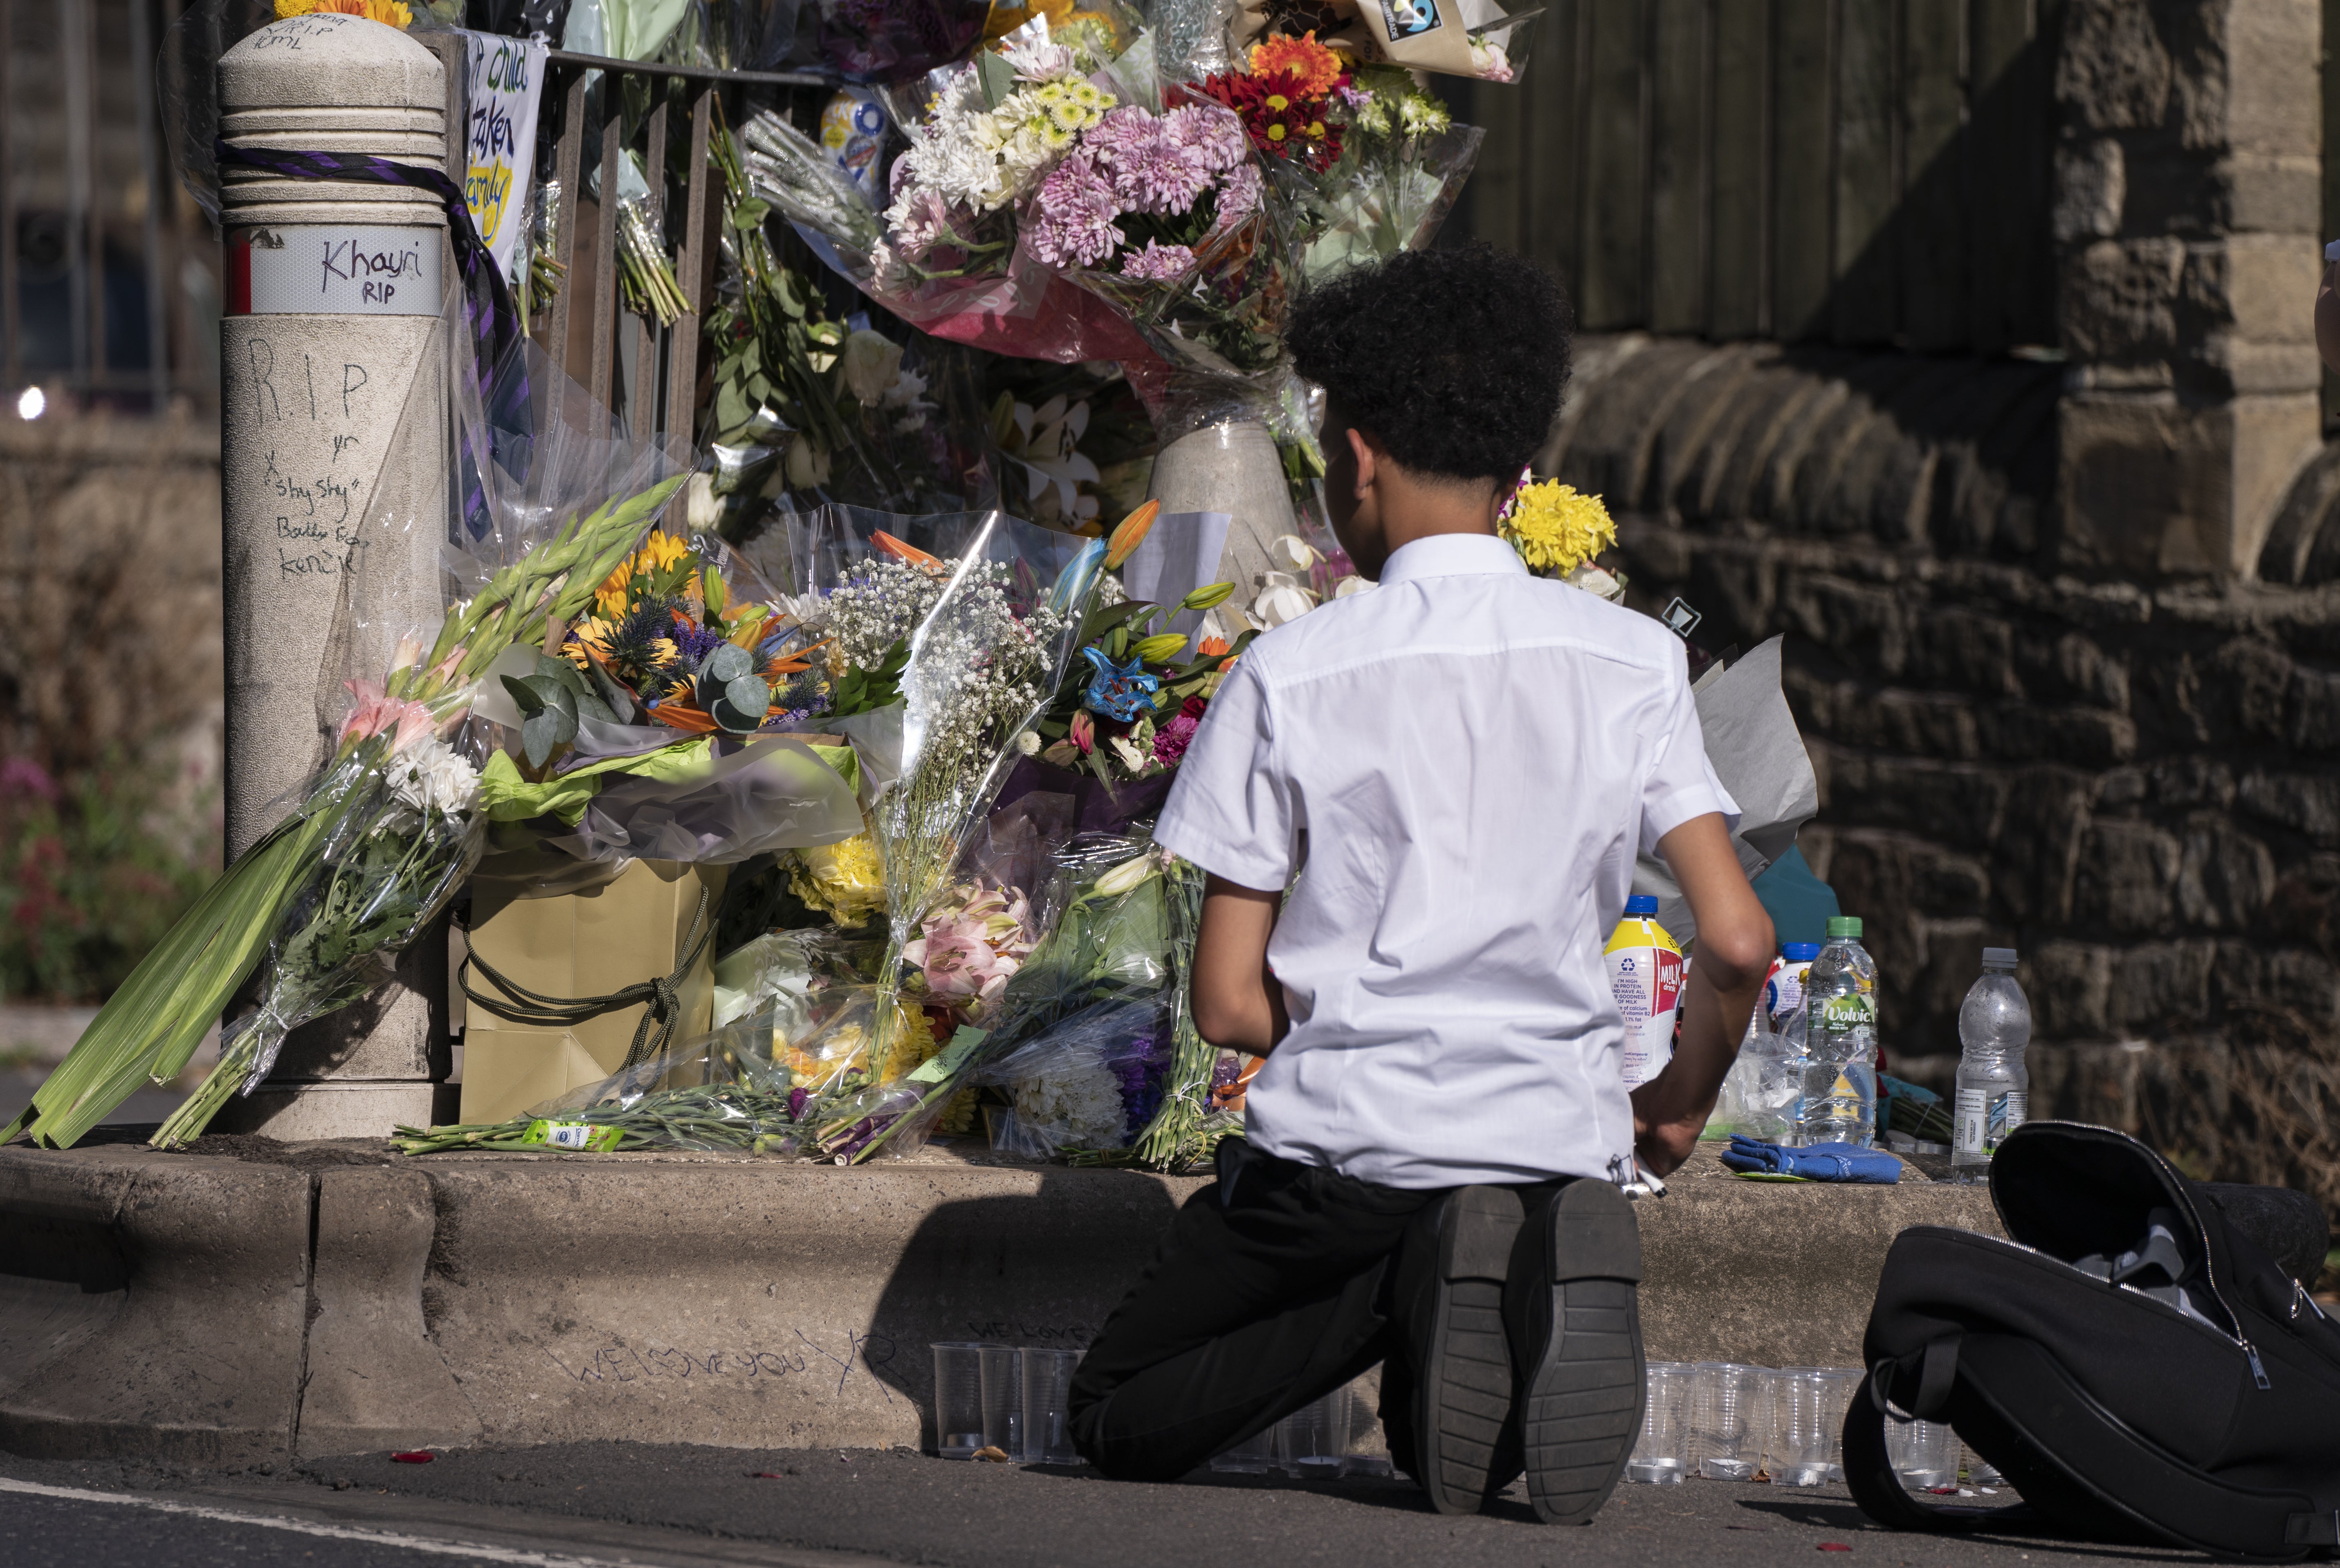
722,1092
391,828
951,252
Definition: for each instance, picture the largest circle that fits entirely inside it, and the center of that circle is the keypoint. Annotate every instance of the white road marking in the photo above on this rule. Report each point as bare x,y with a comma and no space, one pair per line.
303,1527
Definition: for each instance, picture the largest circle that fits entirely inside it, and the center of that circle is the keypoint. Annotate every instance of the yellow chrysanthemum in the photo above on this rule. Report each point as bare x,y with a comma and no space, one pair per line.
846,880
958,1117
1556,528
1313,67
913,1042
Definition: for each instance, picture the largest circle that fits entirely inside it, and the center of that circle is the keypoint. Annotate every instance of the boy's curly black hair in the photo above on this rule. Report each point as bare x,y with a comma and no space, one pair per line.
1453,359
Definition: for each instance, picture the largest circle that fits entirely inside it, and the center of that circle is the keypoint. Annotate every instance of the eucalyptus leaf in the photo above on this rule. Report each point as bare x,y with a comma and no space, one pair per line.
725,664
524,694
541,732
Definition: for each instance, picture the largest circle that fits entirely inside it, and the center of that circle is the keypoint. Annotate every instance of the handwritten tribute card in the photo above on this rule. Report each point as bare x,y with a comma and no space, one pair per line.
507,83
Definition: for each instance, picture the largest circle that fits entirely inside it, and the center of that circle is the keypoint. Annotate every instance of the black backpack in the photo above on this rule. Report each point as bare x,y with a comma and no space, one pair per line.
2135,1366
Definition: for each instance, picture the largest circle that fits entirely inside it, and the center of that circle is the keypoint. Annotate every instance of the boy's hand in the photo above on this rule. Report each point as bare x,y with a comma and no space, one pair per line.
1732,956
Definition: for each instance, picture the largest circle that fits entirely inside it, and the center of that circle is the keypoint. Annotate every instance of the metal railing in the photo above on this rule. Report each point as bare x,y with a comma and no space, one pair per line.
629,362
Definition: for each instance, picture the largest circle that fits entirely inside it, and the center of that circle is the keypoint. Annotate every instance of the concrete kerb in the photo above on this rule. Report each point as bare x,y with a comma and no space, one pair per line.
224,1310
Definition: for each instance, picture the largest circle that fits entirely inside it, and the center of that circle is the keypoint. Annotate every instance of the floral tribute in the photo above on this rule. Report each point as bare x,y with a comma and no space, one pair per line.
1291,100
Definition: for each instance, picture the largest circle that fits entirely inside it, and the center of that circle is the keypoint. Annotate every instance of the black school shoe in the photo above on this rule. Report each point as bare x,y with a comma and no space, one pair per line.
1450,1305
1575,1328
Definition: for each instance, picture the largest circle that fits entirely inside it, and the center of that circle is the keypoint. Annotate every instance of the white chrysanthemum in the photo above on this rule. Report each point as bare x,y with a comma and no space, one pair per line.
430,777
1076,1107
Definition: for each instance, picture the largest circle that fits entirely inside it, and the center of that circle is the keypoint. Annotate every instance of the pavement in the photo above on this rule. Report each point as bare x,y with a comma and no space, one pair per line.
34,1038
586,1504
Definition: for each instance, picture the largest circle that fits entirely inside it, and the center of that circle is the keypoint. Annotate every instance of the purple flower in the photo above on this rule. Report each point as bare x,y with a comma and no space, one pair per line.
22,776
1170,741
693,643
1212,134
1074,214
1158,263
1238,197
1121,131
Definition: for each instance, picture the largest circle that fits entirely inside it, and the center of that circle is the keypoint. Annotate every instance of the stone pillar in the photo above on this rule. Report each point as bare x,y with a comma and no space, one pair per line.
2187,209
1233,468
334,293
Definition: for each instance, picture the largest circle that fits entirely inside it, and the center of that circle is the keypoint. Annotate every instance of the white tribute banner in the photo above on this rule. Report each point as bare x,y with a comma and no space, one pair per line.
505,89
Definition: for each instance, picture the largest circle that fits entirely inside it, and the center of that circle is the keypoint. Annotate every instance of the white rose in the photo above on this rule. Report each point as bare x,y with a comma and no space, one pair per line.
872,362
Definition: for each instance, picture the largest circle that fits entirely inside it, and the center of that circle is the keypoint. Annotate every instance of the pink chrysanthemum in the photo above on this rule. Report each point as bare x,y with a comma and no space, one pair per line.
1073,216
1158,263
1238,196
1211,133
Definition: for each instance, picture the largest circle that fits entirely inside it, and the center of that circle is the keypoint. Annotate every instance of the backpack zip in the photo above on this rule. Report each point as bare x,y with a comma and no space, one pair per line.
2259,1373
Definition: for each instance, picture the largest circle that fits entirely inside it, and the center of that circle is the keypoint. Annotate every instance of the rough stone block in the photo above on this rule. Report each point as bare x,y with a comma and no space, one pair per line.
2091,187
2306,803
2162,989
2082,735
2120,298
2127,874
2113,71
2252,974
2069,986
1964,650
1863,626
2226,877
2315,710
2038,844
2192,782
1960,802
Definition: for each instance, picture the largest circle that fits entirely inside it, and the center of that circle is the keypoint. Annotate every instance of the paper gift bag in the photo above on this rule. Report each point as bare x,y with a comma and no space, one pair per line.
636,928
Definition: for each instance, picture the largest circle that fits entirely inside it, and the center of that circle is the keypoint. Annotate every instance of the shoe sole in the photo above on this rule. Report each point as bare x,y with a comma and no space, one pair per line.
1467,1382
1582,1391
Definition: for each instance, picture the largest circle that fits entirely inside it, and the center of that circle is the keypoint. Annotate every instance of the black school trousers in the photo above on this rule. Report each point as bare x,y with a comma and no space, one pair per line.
1272,1289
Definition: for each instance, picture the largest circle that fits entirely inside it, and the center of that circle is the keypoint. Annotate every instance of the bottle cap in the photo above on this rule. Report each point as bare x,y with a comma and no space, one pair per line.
1844,925
1799,952
1998,957
1641,904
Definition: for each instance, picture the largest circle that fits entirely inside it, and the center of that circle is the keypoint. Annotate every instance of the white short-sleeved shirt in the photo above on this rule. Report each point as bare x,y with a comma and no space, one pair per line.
1475,757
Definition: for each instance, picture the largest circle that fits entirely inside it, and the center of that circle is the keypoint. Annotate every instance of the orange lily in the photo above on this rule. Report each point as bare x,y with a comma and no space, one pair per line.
1131,533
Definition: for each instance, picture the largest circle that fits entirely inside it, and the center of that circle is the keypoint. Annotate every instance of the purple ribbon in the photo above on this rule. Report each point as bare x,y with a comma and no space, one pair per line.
497,331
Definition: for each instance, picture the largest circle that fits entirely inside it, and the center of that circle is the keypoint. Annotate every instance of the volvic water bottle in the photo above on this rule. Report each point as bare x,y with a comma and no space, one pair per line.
1994,1027
1839,1099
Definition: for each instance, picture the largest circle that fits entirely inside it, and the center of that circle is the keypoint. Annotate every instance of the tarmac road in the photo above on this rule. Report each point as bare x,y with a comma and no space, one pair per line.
589,1504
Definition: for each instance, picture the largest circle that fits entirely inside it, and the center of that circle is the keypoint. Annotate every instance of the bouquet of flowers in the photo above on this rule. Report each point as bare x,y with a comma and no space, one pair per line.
1131,704
1365,163
390,827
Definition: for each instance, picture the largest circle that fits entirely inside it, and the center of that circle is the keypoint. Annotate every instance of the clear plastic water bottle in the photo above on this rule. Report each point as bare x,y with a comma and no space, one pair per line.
1840,1097
1994,1027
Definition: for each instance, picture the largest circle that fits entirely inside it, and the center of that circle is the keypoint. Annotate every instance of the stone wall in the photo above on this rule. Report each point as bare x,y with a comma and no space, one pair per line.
2135,783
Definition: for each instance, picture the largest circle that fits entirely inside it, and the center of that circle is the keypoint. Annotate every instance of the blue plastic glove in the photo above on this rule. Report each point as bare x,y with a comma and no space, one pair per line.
1814,1162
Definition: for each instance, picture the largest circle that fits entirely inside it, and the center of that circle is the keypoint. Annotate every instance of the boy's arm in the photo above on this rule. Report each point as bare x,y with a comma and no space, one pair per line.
1732,954
1238,1005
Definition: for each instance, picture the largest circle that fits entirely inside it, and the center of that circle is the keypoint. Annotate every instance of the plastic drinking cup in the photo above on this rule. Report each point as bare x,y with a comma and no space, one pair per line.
1661,1456
1250,1457
1842,1383
1801,1404
1003,1399
1047,1397
958,1399
1725,1410
1925,1453
1314,1439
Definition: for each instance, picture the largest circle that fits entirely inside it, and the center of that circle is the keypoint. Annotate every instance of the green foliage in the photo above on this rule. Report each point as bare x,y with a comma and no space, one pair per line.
91,876
867,690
